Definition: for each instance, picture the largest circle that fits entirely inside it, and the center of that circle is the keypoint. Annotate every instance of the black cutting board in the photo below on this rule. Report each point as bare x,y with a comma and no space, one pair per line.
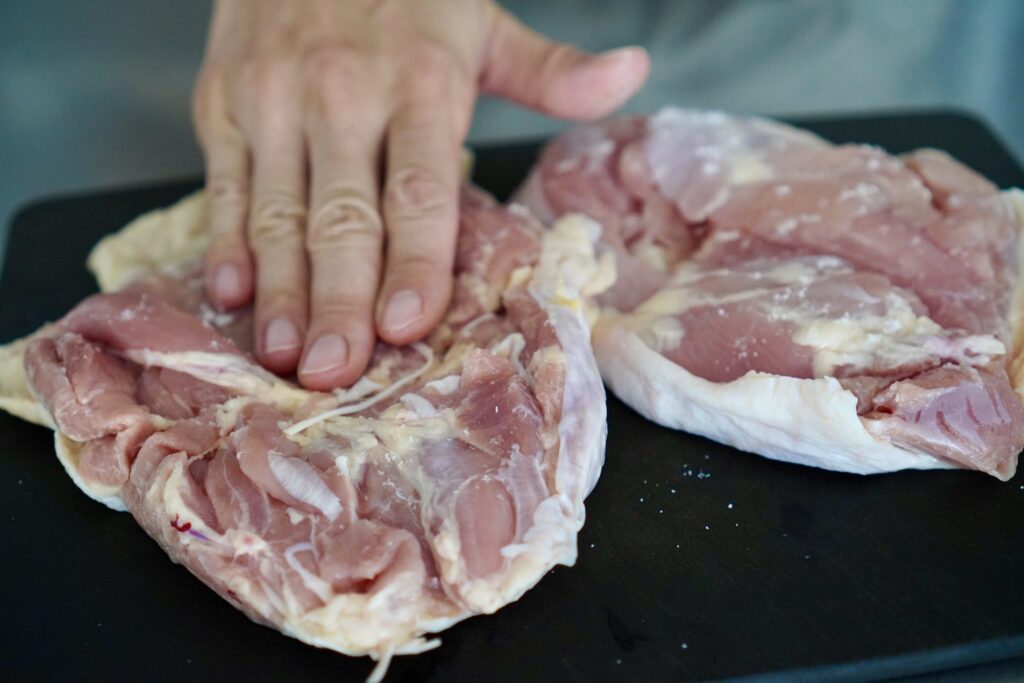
696,562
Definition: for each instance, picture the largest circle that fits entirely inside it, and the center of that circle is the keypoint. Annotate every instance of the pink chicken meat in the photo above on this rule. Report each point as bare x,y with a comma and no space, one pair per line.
444,484
764,274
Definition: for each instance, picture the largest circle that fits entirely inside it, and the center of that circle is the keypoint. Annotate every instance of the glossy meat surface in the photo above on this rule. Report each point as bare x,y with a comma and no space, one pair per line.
746,246
445,483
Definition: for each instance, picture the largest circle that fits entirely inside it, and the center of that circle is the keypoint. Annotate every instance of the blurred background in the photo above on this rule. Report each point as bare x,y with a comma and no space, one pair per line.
96,94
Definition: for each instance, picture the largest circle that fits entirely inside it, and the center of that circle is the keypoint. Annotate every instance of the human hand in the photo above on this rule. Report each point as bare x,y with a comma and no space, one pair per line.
331,132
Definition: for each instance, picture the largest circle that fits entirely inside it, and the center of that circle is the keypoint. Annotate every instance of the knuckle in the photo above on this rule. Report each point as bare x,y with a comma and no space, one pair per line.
416,265
428,74
556,55
276,217
432,59
278,300
337,65
342,307
349,313
265,74
553,61
343,218
332,76
225,191
417,192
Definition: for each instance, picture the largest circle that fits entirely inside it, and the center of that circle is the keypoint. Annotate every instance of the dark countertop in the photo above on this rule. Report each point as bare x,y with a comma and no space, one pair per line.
697,562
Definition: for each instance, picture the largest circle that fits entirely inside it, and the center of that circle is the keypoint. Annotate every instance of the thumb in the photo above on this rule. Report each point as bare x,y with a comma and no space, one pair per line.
558,79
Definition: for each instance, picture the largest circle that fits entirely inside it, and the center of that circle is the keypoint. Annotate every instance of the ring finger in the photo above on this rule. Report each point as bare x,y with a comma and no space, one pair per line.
344,242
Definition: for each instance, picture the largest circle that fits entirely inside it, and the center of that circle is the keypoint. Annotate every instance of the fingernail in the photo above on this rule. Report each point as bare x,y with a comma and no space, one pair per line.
281,335
326,353
227,281
405,306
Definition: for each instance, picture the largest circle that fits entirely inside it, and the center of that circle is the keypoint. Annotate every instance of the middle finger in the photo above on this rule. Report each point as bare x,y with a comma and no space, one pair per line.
344,241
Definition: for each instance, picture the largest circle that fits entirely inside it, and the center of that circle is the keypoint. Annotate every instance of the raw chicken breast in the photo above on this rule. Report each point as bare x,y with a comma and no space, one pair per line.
828,305
445,483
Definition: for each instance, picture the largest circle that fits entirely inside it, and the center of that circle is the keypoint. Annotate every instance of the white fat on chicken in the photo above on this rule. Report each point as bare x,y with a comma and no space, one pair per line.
309,460
804,421
878,290
899,336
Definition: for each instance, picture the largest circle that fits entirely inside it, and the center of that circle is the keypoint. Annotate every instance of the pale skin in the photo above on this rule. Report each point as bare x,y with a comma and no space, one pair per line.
331,132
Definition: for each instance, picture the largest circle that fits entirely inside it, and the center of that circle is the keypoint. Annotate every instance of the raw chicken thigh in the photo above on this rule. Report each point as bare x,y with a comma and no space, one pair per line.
445,483
828,305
